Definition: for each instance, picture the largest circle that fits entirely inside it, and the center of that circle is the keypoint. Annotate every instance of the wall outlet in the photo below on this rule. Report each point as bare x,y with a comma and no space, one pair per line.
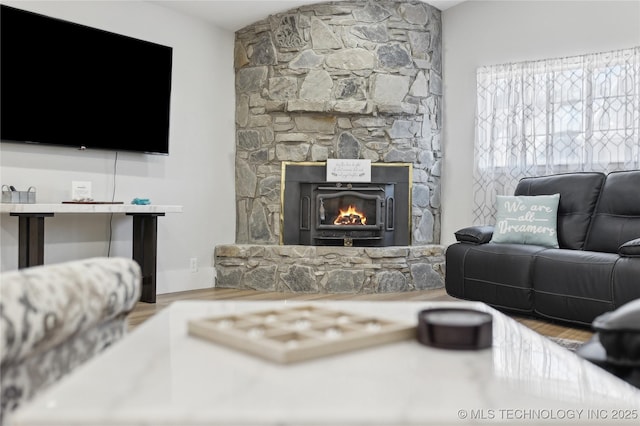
193,264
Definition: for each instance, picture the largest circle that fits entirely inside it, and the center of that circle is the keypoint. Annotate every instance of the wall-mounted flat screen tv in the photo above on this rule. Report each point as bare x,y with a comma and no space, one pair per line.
68,84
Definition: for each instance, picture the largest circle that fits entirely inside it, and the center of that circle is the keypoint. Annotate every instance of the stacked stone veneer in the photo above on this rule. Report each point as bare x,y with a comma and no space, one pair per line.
310,269
350,79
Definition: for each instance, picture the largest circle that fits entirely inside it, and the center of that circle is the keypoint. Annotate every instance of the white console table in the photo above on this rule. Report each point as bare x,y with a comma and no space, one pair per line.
145,232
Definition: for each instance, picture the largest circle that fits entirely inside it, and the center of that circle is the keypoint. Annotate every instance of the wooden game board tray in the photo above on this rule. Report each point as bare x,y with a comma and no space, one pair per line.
299,333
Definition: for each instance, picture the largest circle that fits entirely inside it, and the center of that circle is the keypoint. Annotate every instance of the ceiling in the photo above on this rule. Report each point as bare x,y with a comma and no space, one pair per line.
233,15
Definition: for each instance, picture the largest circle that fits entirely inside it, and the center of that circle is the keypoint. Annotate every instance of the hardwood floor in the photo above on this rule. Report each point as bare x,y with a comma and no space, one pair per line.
144,311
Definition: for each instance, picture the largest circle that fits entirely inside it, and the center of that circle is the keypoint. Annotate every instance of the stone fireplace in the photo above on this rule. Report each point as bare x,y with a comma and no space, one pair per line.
338,80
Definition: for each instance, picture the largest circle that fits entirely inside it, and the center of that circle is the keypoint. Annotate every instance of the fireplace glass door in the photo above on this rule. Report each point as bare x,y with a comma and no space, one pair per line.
350,215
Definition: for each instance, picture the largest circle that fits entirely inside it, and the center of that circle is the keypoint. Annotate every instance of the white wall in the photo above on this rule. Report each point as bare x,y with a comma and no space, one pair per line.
198,173
478,33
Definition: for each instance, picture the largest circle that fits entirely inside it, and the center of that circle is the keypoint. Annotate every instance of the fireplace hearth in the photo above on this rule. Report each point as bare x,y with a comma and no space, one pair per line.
321,213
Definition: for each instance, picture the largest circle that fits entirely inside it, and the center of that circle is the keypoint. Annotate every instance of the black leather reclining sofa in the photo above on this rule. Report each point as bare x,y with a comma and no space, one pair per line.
596,268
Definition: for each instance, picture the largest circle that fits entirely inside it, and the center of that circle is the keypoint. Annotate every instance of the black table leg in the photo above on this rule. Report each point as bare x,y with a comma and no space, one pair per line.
145,249
30,238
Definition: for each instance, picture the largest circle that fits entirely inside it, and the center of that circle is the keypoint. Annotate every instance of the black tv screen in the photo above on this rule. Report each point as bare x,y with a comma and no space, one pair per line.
68,84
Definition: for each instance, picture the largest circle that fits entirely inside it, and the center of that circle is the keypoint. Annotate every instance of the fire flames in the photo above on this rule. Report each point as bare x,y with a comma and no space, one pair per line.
350,217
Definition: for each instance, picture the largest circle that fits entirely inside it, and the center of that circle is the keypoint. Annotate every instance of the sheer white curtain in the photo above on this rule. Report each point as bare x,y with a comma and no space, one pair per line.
552,116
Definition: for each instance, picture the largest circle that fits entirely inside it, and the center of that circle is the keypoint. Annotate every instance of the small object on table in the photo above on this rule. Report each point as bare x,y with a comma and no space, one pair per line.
299,333
92,202
455,328
11,195
141,201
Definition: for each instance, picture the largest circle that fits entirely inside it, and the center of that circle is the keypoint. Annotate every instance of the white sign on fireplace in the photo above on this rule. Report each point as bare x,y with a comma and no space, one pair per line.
344,170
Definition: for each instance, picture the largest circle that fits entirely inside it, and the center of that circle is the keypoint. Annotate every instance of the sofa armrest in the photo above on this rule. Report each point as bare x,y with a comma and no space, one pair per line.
475,234
630,248
42,307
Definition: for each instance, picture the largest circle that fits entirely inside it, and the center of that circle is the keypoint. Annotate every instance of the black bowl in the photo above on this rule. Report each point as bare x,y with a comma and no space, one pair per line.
455,328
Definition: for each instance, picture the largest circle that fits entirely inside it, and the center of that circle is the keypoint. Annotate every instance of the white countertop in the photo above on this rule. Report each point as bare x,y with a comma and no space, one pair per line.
159,375
87,208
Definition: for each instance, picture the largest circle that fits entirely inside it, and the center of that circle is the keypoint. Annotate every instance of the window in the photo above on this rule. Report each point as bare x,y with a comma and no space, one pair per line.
552,116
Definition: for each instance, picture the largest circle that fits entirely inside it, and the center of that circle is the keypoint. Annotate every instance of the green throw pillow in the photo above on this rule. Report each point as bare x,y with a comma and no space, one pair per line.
527,220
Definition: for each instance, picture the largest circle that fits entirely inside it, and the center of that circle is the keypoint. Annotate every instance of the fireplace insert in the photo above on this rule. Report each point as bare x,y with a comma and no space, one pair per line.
361,214
354,214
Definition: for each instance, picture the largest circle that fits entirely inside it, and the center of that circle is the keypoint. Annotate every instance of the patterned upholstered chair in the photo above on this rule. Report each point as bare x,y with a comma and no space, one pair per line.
55,317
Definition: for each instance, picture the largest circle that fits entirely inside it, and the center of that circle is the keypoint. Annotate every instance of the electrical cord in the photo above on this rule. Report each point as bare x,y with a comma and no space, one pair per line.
113,197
